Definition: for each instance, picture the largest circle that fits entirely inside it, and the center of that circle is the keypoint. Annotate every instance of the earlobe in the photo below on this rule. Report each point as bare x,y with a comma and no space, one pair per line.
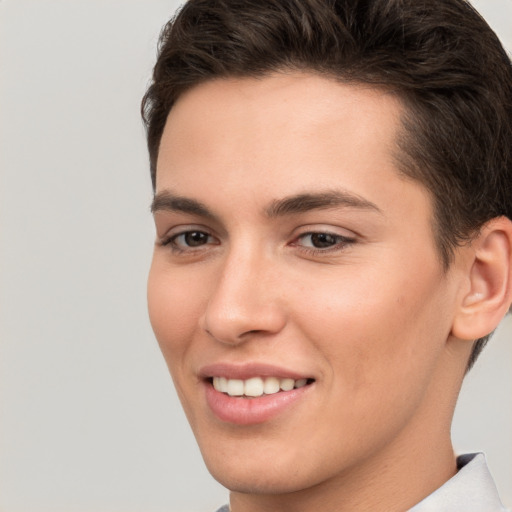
489,295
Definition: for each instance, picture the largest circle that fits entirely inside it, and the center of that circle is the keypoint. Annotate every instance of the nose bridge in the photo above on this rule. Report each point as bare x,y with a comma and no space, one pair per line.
243,299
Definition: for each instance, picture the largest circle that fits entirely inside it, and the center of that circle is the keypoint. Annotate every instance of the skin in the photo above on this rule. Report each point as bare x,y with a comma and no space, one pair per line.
370,317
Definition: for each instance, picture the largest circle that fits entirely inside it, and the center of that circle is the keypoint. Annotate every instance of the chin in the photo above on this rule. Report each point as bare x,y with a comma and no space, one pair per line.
263,475
260,482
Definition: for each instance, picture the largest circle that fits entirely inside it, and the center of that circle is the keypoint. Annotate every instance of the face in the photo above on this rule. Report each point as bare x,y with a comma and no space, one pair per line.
295,289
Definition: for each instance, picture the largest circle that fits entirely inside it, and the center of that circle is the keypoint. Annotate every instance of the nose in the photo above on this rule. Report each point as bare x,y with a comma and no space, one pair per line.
244,302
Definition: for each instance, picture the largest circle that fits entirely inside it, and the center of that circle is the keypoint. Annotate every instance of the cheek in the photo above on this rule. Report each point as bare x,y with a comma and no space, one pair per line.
174,308
379,342
382,328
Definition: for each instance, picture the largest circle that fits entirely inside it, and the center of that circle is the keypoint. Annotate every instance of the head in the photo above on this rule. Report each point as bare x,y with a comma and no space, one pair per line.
332,201
440,59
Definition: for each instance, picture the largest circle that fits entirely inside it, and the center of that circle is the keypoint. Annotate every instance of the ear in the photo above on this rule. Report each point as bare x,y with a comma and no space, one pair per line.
488,297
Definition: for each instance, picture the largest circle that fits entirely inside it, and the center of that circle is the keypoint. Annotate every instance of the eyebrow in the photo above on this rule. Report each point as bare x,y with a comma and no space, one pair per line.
166,201
302,203
299,203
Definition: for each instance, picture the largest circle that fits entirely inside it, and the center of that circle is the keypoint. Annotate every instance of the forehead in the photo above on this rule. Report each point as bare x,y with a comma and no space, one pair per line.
279,135
299,104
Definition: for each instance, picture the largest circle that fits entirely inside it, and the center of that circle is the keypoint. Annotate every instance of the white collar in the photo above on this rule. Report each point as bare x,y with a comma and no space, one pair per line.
472,489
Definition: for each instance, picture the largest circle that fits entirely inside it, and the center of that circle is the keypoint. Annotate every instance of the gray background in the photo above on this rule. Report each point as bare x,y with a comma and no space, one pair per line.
88,416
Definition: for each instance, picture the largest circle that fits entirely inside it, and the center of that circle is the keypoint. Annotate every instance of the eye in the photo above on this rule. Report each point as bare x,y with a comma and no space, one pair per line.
319,240
193,238
323,241
189,240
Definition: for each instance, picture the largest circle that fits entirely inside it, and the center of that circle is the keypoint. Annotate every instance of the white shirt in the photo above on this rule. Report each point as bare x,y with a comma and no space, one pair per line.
472,489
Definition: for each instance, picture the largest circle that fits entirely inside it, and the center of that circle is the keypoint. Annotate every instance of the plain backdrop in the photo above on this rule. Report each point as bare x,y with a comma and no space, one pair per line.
88,416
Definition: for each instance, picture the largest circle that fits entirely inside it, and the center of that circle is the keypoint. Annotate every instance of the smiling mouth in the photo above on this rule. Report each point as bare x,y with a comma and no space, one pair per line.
256,386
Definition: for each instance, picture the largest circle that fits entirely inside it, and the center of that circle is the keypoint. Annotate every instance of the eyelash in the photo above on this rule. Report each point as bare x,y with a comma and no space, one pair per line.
340,242
171,241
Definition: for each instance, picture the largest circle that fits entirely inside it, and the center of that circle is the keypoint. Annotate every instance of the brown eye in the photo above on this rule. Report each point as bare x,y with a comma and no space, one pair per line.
189,240
195,238
323,240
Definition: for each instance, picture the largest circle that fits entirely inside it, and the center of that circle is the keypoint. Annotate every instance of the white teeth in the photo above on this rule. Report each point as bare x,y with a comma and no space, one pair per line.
301,383
235,387
220,384
256,386
271,385
253,387
223,384
286,384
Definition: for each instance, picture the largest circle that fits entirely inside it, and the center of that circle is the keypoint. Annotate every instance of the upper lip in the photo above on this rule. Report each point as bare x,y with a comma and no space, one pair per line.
248,370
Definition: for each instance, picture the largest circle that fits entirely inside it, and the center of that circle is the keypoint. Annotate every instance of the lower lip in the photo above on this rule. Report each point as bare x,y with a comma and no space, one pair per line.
250,411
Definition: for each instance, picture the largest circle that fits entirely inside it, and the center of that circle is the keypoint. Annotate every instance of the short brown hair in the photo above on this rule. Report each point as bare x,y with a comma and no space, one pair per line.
439,56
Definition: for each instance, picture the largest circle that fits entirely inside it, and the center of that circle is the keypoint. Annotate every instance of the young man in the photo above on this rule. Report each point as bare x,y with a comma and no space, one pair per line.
334,245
